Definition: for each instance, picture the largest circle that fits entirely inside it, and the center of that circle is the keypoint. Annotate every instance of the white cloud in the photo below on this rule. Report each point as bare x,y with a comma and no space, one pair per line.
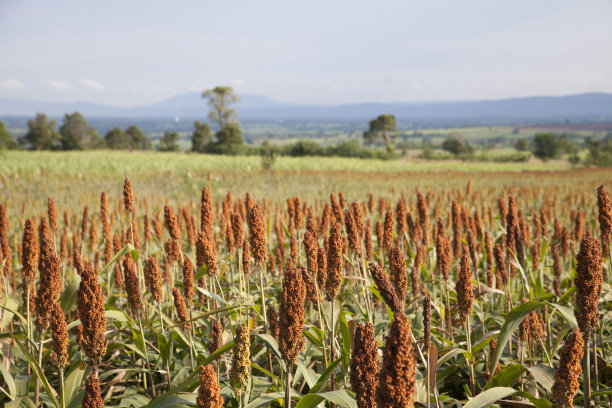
152,88
59,86
237,82
199,87
11,84
91,84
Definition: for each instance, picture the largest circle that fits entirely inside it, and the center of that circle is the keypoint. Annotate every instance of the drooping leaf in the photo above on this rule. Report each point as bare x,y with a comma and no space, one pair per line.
567,313
118,255
340,397
11,390
505,377
544,375
488,397
265,400
512,323
74,380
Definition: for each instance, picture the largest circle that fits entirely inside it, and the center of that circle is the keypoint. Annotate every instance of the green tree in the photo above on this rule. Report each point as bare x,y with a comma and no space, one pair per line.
455,144
77,135
219,100
6,140
42,134
138,140
568,146
230,134
522,145
600,151
383,127
168,142
117,139
201,136
268,155
546,146
93,140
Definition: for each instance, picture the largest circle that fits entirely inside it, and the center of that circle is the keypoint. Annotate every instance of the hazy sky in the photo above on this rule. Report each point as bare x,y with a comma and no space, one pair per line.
132,52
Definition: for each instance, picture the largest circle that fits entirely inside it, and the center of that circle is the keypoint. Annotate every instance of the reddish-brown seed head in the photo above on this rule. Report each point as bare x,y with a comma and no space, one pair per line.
333,281
385,288
273,323
464,288
153,278
171,223
291,315
206,253
426,322
397,272
365,365
589,277
257,235
59,336
209,392
93,395
90,305
29,252
181,308
49,285
352,233
206,212
388,230
216,336
397,382
52,214
443,255
131,283
128,196
605,219
188,280
568,372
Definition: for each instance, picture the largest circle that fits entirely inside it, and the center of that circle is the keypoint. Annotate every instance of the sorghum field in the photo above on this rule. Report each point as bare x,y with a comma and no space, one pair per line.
180,280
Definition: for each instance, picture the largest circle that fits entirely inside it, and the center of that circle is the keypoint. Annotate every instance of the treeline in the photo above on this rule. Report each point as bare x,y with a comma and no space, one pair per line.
349,148
75,134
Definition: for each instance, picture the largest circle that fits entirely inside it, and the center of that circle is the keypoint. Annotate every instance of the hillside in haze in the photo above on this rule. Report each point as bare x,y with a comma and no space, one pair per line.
589,107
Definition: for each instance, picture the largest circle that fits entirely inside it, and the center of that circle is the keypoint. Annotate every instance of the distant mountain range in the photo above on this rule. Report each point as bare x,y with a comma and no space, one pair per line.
588,107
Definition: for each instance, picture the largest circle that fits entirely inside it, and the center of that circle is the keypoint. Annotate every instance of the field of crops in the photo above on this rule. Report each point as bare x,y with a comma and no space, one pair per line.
183,280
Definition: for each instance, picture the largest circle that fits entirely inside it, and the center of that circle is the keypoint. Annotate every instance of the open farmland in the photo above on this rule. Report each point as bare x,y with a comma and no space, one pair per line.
206,281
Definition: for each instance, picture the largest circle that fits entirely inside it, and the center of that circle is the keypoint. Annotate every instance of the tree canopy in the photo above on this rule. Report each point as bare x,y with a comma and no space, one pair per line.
230,134
384,127
168,142
202,135
546,146
77,135
116,139
219,100
6,140
130,139
42,134
455,144
138,140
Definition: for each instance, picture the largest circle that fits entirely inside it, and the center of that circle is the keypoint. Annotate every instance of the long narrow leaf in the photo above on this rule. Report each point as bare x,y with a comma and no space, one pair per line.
513,321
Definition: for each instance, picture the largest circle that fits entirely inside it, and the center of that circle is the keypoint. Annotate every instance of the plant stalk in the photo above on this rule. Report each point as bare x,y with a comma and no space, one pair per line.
287,401
587,374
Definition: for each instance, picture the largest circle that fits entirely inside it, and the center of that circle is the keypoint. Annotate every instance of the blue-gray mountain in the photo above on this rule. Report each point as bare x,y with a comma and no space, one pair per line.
596,107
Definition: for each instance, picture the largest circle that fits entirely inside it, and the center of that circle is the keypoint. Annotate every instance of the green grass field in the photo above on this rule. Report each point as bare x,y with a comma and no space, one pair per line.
119,163
31,177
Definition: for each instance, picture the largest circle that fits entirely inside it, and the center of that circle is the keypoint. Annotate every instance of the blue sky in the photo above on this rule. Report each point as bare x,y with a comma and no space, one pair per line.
133,52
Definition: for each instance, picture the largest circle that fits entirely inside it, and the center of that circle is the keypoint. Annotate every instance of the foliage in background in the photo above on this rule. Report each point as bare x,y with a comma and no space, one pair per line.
6,140
168,143
383,127
201,136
